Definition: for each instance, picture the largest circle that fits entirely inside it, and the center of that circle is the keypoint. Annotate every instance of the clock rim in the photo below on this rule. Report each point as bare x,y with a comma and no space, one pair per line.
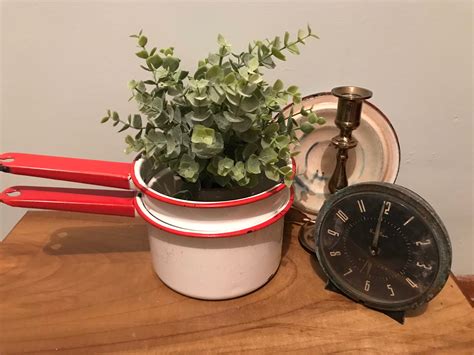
440,236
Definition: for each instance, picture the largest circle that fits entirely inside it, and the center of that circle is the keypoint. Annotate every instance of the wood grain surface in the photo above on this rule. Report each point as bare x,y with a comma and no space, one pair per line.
84,284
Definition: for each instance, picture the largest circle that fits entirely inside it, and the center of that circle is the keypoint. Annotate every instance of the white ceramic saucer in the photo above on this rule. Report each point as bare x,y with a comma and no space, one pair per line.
375,158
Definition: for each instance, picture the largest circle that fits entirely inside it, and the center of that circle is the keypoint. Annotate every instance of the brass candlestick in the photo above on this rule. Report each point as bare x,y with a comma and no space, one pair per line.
349,107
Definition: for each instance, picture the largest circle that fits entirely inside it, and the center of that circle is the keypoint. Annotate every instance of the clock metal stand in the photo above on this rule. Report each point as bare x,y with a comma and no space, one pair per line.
348,116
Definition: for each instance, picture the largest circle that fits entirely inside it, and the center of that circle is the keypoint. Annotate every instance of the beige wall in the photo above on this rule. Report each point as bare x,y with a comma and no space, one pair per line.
65,62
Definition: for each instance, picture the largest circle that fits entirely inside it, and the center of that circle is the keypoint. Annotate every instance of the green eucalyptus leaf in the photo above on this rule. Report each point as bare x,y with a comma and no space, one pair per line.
221,40
271,129
215,96
312,118
233,99
284,153
268,155
286,170
124,128
271,173
249,149
282,141
214,72
278,85
245,181
206,151
287,38
242,126
170,144
293,49
232,118
202,134
200,72
213,59
182,74
289,125
142,54
277,42
250,136
155,61
188,168
253,165
137,121
292,89
255,78
277,54
268,62
171,63
247,90
200,115
301,34
307,127
222,123
142,41
224,166
238,171
156,137
229,78
253,64
250,104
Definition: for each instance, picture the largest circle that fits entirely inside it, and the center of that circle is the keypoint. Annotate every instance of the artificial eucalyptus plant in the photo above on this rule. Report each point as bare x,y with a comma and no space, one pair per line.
223,124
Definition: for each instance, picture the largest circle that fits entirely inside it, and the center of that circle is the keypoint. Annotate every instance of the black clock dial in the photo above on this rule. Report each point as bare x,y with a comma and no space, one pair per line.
383,245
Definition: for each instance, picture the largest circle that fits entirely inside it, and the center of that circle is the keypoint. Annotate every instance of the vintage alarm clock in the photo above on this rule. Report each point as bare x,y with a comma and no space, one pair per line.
382,245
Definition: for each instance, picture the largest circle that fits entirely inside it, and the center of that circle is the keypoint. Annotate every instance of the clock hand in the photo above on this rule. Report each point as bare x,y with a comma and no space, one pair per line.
369,268
375,240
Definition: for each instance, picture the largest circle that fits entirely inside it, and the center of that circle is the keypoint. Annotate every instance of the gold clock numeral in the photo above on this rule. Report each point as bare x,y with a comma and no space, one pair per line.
411,283
333,233
390,288
361,205
426,242
367,286
342,216
388,205
335,253
348,272
426,267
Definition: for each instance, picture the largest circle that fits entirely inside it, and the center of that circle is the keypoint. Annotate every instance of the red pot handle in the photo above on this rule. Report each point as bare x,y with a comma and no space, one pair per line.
111,202
95,172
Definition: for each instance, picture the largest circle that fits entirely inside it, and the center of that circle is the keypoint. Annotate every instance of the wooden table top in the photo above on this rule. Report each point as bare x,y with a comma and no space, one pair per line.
85,284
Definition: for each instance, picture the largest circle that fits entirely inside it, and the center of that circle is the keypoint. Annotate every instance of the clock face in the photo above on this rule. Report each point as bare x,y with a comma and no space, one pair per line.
383,245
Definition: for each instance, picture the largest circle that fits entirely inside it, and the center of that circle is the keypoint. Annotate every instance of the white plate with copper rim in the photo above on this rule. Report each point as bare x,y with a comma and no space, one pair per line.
375,158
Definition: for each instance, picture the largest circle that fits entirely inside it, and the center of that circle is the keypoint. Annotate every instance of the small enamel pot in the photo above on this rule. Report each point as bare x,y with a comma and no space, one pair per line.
208,250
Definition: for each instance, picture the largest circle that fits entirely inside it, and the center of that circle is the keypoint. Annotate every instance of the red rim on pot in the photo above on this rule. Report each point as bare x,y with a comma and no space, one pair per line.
110,174
112,202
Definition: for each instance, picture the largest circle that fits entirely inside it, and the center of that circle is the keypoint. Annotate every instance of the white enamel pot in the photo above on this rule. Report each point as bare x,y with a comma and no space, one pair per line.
208,250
